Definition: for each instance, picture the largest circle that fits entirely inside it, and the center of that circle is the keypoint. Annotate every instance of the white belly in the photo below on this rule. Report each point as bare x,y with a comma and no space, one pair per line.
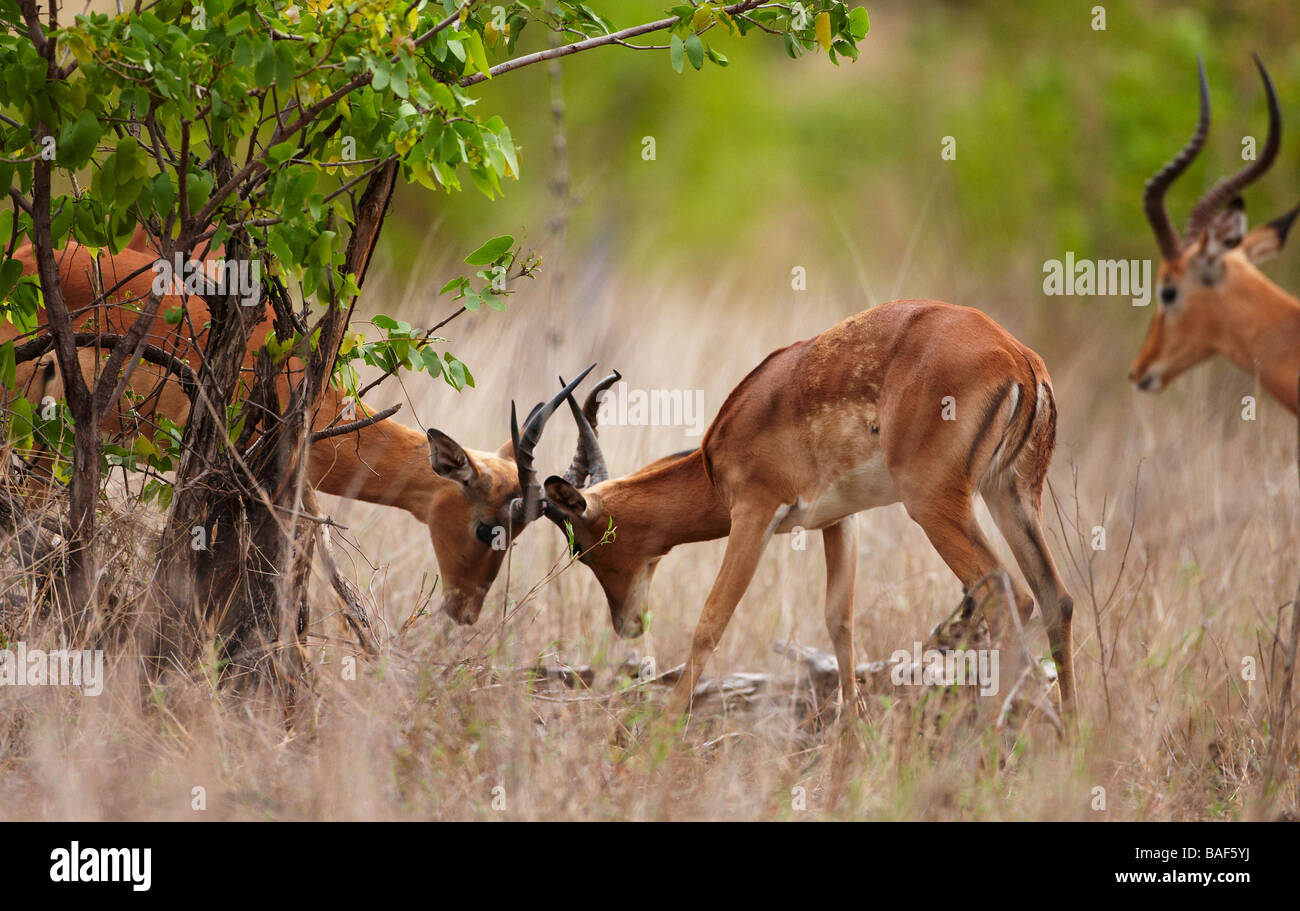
865,487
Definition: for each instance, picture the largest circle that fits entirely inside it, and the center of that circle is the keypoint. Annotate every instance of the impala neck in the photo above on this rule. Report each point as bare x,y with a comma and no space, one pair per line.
385,463
1261,334
664,505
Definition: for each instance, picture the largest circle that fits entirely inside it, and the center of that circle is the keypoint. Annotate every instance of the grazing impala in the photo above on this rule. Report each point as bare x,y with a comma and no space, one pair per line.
1212,298
463,496
917,401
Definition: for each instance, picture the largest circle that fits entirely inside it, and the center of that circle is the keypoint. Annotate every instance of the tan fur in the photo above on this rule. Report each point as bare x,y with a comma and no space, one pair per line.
1242,315
1211,298
822,429
1239,314
385,463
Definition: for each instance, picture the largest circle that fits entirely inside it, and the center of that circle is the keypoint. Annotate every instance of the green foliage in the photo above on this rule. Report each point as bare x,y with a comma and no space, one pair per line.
207,121
45,426
155,455
1057,129
152,101
832,26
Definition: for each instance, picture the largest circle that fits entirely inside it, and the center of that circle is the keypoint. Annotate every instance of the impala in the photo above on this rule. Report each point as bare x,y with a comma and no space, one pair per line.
914,401
1212,298
464,496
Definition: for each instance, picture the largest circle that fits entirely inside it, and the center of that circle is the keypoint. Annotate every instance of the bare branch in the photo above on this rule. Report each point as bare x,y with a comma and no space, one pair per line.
356,425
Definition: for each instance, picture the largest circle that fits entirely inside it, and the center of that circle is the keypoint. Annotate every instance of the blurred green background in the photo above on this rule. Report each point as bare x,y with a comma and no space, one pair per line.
774,162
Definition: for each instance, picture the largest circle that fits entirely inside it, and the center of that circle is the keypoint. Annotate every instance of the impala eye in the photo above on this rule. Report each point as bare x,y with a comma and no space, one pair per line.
485,532
1168,293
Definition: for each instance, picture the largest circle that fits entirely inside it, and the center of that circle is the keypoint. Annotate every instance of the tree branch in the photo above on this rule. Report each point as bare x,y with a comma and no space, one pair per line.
599,41
189,380
356,425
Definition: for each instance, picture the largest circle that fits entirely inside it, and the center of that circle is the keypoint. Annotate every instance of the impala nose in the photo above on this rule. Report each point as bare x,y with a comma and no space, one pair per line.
630,628
461,607
1149,382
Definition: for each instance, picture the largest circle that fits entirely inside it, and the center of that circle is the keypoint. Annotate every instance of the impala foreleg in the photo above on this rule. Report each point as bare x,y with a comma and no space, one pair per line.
841,543
751,526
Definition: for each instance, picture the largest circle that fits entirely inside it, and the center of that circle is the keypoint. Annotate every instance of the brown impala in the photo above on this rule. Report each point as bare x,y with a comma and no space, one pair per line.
1212,298
463,496
914,401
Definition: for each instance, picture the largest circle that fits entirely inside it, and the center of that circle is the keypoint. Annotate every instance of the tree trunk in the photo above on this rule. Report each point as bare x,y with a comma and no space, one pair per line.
245,593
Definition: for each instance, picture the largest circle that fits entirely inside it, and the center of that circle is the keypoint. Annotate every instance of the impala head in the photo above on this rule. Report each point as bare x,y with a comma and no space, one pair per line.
576,500
1205,279
490,499
624,567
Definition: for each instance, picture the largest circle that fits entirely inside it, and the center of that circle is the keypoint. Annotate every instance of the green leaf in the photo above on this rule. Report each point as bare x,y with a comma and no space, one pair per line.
478,56
243,58
432,362
695,51
283,66
508,149
10,272
22,421
677,53
859,22
490,251
7,365
279,154
77,144
143,446
198,187
264,70
456,373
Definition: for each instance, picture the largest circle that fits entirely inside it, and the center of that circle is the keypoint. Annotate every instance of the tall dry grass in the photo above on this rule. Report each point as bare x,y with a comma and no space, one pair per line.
1198,506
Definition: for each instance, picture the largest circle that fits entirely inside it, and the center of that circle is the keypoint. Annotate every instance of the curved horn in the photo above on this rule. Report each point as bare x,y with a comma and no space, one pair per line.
588,465
1153,197
1229,187
528,506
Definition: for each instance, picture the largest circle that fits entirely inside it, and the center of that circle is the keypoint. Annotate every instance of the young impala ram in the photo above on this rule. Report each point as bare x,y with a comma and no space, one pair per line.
464,496
1212,298
857,417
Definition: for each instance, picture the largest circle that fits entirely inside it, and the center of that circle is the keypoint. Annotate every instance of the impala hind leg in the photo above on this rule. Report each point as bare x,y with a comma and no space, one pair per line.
750,529
948,520
841,543
1018,512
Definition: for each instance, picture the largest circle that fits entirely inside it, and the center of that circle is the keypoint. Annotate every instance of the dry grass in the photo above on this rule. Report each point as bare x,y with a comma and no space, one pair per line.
1169,729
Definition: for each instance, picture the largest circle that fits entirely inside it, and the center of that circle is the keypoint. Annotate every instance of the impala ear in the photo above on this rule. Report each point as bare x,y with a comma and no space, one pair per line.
565,497
448,459
1227,229
1266,240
